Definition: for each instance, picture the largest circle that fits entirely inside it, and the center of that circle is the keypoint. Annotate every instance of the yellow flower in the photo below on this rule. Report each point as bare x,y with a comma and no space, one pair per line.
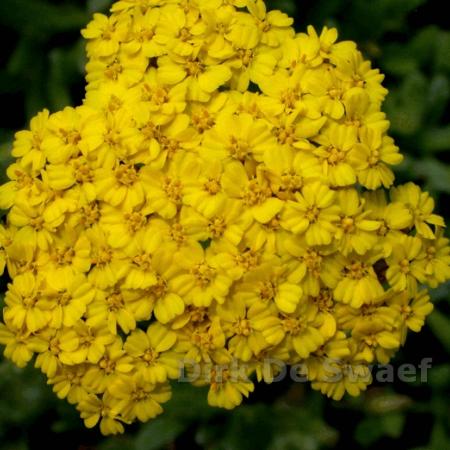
250,64
215,207
253,192
201,79
203,279
163,102
371,156
142,35
65,132
68,383
413,311
205,192
28,143
437,260
25,307
120,186
67,298
238,322
165,190
343,376
378,310
269,283
114,362
238,137
122,68
153,353
165,292
313,213
56,344
316,365
289,171
334,150
226,227
404,266
328,88
360,114
421,206
181,32
19,346
354,231
374,341
115,307
393,216
91,344
357,72
93,410
311,267
108,265
303,330
228,387
105,34
141,273
135,398
203,341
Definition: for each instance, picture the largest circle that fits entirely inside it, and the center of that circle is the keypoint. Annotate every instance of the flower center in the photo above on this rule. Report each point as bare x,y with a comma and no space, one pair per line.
203,274
113,70
135,221
356,270
217,227
143,261
312,214
126,175
173,189
242,327
202,120
238,148
115,302
267,290
177,233
255,194
335,156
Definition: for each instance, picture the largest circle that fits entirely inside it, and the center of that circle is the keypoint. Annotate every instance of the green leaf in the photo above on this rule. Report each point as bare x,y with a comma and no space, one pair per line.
125,442
393,424
435,173
368,431
436,139
441,293
95,6
423,45
439,438
286,6
440,325
5,159
398,62
405,107
443,52
59,94
386,402
439,376
437,98
189,403
40,19
158,433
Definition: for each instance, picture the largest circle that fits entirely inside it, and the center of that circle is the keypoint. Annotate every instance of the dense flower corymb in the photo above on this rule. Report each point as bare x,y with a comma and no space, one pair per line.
222,198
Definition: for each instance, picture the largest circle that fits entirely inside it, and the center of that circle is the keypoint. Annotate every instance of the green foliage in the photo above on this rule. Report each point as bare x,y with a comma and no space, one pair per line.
43,60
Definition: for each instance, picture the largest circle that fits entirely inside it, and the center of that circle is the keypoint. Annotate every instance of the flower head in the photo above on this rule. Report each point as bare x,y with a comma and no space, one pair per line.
216,204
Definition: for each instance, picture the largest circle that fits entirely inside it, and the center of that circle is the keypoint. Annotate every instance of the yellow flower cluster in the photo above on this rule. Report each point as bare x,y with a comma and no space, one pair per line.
219,198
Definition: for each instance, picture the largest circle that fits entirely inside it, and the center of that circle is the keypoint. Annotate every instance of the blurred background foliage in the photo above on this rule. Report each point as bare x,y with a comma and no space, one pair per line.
42,65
